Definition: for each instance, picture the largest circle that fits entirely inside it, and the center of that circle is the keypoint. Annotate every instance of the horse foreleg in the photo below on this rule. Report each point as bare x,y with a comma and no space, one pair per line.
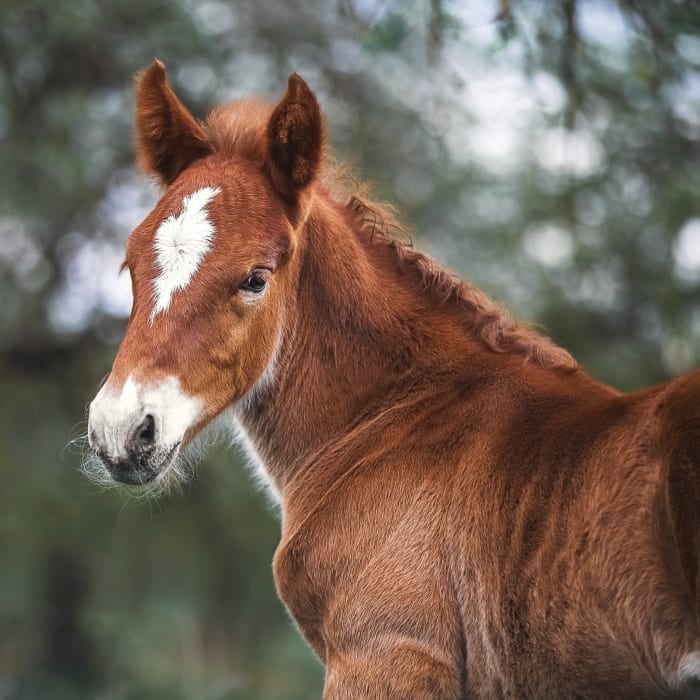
404,670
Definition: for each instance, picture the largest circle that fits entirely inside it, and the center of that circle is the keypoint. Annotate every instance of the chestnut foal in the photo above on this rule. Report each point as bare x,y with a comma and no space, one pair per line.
465,513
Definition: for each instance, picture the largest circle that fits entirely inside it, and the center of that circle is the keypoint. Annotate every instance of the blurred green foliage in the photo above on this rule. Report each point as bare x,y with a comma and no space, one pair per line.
545,150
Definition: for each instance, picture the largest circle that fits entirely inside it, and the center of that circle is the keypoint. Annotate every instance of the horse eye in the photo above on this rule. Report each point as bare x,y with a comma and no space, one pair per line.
254,283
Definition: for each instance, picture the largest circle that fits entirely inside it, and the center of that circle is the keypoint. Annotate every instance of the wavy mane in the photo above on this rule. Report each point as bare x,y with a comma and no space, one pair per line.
488,321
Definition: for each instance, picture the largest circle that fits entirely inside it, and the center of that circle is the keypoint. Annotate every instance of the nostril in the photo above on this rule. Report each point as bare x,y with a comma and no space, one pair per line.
145,435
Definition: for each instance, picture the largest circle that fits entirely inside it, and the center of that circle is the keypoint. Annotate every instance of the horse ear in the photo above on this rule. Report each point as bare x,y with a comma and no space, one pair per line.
295,139
167,136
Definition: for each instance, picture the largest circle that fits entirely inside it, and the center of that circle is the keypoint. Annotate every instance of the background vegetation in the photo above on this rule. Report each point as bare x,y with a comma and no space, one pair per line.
545,149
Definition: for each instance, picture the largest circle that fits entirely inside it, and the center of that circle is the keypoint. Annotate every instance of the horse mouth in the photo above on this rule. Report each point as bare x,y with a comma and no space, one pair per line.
142,468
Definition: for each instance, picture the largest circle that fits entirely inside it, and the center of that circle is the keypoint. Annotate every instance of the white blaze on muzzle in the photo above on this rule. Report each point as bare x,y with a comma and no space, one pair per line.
116,413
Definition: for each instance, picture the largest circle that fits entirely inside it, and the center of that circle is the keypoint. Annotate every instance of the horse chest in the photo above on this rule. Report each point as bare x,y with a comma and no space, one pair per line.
350,577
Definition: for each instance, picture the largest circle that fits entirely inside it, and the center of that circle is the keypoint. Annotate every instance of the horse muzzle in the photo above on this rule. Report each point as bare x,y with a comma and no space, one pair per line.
136,430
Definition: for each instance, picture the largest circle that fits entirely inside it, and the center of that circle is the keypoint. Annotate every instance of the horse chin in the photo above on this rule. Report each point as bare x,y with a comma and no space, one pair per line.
148,470
163,467
134,477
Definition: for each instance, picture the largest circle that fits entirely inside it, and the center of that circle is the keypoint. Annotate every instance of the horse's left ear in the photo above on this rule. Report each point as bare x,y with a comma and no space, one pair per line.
168,138
295,139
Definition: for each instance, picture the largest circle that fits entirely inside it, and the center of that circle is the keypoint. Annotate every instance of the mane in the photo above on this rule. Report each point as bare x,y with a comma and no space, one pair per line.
239,129
487,320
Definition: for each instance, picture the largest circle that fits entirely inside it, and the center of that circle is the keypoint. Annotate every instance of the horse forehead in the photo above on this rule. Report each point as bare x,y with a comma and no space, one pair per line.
180,243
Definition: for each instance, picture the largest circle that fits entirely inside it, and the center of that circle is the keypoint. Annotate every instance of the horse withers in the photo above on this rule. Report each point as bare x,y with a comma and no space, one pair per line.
465,513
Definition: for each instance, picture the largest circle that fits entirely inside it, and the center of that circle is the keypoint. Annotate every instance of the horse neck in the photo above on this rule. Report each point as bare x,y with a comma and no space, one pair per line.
358,328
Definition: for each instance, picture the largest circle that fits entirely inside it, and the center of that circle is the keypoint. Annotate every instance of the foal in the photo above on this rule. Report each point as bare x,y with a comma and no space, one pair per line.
465,513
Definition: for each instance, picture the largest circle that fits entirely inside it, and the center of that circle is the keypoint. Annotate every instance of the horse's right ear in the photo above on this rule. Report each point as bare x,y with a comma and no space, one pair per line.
295,139
167,137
